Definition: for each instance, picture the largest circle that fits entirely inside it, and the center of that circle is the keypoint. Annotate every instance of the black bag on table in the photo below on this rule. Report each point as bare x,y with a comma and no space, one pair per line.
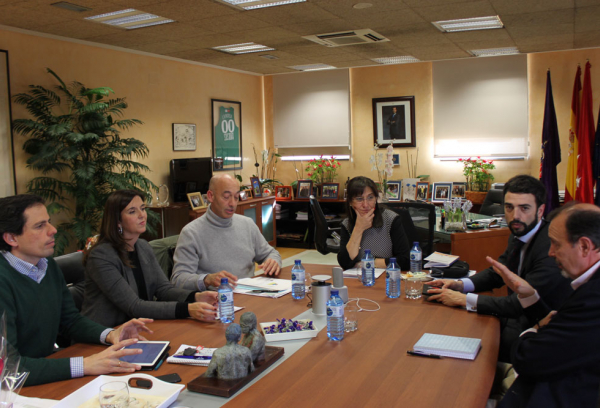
458,269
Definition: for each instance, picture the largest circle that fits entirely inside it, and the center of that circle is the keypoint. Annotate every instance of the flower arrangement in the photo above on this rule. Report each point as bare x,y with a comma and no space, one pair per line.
383,168
322,170
289,325
266,171
477,172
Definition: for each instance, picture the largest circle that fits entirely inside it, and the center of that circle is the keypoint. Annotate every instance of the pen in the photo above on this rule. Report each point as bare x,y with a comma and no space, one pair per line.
194,357
264,291
417,354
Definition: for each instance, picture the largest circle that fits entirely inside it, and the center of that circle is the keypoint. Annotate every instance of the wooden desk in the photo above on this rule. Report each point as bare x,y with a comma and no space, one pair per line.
368,368
474,246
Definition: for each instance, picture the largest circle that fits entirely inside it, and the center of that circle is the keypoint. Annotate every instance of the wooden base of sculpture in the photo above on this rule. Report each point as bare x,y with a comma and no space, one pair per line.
227,388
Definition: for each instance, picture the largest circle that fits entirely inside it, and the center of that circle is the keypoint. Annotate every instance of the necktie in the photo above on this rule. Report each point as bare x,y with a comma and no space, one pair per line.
514,258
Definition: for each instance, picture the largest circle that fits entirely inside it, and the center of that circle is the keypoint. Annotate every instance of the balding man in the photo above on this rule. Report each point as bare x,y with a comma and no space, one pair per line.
558,360
221,244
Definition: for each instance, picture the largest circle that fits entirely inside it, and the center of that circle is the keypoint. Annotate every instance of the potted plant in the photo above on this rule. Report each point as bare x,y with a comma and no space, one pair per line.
478,175
76,143
383,168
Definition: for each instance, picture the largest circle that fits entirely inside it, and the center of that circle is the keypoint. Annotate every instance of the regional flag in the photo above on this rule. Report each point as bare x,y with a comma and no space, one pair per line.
550,150
585,138
596,162
571,184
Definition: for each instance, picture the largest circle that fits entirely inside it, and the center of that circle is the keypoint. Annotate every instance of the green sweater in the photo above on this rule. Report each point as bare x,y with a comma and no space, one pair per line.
35,314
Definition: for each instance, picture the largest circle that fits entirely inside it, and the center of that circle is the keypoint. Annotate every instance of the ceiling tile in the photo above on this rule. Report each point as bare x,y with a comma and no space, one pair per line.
163,47
79,29
456,11
508,7
587,39
232,22
190,10
297,13
320,27
587,19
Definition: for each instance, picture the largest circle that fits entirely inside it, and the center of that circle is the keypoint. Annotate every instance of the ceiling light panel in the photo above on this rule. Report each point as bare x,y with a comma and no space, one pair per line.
403,59
129,19
312,67
256,4
244,48
469,24
495,51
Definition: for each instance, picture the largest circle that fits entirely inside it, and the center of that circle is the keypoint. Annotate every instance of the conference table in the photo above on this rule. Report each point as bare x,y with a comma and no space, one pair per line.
369,367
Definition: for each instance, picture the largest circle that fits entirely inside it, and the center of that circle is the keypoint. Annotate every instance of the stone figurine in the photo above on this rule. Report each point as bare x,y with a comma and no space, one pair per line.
253,338
232,361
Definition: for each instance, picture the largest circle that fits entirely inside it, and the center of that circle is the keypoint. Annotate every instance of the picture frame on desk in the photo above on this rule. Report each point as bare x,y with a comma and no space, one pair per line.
184,137
459,189
196,201
441,192
226,134
304,189
256,187
394,190
394,121
244,195
422,190
409,189
283,193
330,191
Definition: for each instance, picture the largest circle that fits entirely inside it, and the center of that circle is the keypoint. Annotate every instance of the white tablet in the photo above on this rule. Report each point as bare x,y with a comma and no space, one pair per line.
151,352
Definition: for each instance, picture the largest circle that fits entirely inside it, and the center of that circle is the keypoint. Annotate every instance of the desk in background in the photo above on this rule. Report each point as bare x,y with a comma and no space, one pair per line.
368,368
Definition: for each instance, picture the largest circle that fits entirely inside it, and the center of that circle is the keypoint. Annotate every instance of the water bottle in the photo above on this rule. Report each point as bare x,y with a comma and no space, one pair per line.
415,258
225,301
368,269
392,280
298,280
335,316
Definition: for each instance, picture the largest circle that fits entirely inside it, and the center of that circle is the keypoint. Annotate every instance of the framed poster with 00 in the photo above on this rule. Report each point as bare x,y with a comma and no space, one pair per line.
227,134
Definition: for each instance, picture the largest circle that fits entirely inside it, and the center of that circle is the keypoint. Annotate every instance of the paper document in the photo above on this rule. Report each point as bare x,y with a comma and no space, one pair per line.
200,358
357,272
254,291
263,282
448,346
438,259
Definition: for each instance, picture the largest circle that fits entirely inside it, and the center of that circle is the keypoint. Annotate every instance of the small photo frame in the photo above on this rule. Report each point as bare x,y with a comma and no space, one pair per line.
396,159
330,191
394,190
422,190
244,195
184,136
304,189
459,189
196,201
256,187
409,189
283,193
441,192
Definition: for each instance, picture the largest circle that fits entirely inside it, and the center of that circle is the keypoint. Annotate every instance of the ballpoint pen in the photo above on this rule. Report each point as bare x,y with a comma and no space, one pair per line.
417,354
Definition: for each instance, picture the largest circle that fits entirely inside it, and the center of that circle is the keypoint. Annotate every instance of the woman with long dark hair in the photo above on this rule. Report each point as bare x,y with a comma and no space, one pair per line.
369,226
123,277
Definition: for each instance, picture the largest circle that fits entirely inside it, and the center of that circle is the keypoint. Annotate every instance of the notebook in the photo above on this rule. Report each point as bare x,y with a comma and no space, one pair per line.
448,346
201,358
440,260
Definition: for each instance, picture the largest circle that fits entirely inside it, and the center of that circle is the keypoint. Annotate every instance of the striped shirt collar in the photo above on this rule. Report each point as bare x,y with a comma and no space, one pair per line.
35,272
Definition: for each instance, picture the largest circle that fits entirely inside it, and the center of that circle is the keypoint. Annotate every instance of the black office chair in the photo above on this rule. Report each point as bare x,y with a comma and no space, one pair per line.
323,240
493,204
418,220
72,268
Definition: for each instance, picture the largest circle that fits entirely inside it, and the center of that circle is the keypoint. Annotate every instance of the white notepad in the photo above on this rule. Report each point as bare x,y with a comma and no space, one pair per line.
448,346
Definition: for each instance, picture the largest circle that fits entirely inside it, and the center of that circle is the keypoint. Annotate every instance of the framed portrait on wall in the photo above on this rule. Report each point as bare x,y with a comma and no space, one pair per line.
441,192
184,136
394,121
227,134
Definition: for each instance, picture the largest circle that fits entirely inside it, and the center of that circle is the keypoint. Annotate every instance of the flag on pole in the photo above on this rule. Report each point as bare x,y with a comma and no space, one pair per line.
571,183
585,139
596,162
550,150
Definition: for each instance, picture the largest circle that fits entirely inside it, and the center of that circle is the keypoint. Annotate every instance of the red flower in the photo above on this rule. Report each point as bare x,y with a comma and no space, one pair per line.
309,174
460,159
320,165
327,164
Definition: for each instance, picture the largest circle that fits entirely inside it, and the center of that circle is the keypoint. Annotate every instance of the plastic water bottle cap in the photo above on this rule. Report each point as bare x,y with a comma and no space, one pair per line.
392,260
224,281
334,292
367,252
297,262
416,243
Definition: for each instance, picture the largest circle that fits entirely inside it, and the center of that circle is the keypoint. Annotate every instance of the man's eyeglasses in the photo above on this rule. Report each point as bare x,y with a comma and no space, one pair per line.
359,200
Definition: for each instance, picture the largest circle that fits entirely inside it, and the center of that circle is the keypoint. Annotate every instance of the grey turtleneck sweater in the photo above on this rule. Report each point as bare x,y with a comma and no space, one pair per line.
211,244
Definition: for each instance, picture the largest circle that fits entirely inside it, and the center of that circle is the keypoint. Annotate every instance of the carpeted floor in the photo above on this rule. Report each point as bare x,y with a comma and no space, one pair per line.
312,256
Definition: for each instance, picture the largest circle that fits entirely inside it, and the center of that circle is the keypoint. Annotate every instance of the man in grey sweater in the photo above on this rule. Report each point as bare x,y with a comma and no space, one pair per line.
221,243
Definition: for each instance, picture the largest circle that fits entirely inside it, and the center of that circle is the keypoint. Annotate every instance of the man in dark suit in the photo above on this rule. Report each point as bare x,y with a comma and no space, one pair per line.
395,122
527,253
558,360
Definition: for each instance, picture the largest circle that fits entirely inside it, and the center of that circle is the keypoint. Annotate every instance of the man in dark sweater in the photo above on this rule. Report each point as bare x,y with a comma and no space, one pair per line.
38,305
526,254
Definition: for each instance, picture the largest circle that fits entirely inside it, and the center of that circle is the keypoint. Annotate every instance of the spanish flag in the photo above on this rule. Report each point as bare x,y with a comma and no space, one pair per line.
585,139
571,184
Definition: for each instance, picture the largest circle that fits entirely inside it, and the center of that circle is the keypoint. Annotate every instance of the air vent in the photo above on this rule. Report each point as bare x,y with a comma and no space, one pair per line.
343,38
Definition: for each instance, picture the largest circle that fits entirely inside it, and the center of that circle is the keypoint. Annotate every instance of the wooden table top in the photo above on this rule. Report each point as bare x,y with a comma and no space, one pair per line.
369,367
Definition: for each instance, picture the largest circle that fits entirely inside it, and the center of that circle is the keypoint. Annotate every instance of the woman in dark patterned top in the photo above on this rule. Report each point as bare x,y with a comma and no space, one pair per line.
370,227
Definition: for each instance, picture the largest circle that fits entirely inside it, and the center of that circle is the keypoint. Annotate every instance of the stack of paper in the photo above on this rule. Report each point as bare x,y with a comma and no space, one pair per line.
200,358
440,260
448,346
302,215
263,286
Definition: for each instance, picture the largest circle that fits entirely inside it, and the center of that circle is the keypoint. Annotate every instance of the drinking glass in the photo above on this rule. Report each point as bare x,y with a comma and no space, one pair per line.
351,316
114,394
413,288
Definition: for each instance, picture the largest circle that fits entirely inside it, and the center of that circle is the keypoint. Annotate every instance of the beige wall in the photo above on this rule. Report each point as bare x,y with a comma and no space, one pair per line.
159,92
416,79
